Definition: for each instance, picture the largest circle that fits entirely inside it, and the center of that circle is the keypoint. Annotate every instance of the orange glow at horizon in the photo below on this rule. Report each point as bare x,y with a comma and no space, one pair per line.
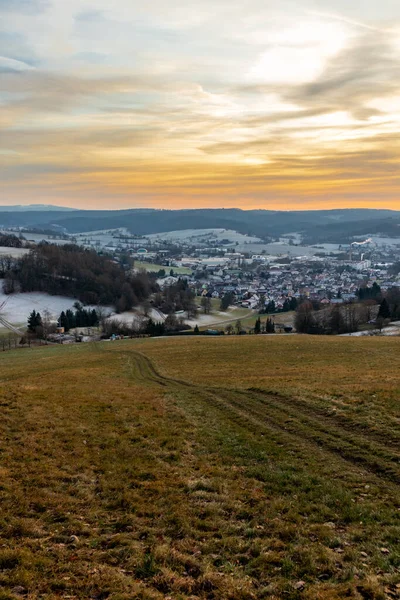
126,106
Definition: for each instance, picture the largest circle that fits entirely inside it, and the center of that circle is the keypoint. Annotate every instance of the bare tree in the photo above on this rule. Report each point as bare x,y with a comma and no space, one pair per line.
206,305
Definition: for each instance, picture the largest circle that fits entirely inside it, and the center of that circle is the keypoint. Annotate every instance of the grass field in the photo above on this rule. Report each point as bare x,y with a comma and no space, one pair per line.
232,468
151,267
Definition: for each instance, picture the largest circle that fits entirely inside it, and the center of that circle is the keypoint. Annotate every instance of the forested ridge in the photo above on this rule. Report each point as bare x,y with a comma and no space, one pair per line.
338,225
71,270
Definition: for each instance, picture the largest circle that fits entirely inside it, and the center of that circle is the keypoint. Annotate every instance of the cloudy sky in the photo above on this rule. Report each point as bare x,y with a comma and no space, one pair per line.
254,104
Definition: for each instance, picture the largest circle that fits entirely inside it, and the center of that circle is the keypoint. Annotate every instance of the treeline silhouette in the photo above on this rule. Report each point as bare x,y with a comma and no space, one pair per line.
82,317
71,270
9,240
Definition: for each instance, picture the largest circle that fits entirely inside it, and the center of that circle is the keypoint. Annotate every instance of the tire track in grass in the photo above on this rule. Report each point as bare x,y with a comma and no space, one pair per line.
390,437
359,452
259,412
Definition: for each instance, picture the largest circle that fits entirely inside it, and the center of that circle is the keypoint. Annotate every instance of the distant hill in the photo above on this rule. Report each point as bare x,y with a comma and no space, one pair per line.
338,225
34,207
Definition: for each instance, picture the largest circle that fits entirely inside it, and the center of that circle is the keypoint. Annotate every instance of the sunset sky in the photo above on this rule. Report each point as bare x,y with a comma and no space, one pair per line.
200,103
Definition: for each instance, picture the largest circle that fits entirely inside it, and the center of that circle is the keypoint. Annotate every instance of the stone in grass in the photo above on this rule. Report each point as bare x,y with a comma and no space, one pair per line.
385,550
73,540
299,585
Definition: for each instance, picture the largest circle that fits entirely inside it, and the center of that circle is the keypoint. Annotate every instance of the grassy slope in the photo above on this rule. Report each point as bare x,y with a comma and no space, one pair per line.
260,467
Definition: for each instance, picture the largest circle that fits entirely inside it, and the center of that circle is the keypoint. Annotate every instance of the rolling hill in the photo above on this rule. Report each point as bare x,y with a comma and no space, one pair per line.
333,225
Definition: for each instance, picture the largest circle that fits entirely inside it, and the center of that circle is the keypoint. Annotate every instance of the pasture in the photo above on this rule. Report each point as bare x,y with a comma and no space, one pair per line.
232,468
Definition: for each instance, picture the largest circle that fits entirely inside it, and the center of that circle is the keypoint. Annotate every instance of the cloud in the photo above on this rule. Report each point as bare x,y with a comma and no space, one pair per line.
160,100
367,68
15,46
24,6
10,64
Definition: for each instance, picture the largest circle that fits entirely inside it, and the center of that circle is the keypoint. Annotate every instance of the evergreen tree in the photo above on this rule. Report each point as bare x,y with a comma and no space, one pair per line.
270,326
257,326
34,321
271,307
384,310
154,329
70,320
94,318
197,330
226,301
63,321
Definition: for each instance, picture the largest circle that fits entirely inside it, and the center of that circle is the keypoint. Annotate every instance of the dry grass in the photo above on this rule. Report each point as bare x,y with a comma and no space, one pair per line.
230,468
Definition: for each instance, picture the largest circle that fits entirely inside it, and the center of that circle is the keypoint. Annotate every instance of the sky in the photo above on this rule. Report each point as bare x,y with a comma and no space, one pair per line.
200,103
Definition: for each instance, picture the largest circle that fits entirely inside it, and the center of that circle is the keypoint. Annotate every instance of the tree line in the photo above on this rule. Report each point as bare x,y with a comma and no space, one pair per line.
177,297
374,307
9,240
41,326
71,270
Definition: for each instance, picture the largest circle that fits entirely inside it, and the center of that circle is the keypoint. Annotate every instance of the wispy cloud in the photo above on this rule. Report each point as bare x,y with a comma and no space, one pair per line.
285,105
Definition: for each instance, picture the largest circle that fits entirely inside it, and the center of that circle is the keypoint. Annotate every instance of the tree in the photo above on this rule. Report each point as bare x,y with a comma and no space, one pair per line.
62,321
270,326
94,318
384,309
70,319
226,301
229,329
337,323
305,319
257,326
271,308
351,317
261,304
10,285
206,305
381,322
364,293
196,330
146,306
238,327
34,321
47,324
393,298
154,329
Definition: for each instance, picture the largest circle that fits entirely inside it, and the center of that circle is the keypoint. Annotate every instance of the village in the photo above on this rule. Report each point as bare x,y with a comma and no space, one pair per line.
218,262
232,277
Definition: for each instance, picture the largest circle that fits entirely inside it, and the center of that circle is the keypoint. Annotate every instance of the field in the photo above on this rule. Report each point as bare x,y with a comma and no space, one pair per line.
16,308
14,252
151,267
231,468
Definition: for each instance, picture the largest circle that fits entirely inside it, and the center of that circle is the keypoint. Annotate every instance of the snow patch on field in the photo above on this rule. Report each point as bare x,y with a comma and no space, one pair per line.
217,318
137,316
14,252
391,330
17,307
201,235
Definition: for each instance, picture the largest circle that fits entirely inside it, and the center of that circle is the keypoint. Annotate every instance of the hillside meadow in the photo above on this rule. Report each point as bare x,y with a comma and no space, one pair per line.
231,468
